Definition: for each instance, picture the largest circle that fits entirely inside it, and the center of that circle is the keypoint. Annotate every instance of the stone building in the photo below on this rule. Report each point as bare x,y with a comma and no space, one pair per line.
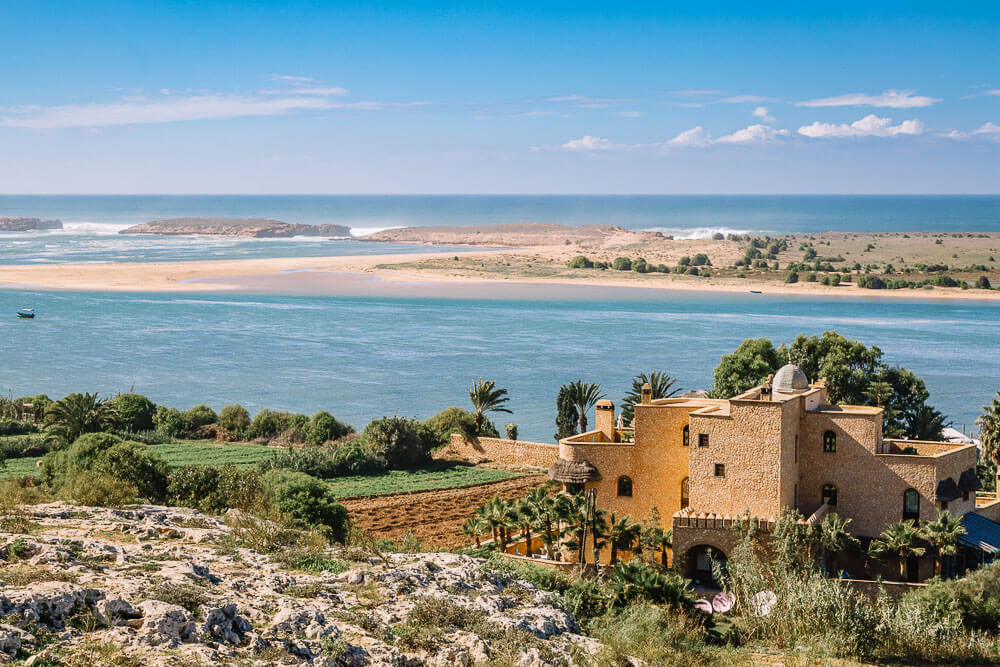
707,462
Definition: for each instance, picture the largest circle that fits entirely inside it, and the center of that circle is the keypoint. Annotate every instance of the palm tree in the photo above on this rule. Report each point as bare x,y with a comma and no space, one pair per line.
661,384
599,534
487,397
545,517
989,430
76,414
525,513
584,396
900,540
833,538
943,534
925,423
573,521
624,534
473,527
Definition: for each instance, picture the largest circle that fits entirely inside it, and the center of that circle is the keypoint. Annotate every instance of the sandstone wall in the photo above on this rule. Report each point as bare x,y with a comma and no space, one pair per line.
502,450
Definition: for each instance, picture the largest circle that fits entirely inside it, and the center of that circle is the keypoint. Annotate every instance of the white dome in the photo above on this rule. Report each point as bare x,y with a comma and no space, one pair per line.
790,380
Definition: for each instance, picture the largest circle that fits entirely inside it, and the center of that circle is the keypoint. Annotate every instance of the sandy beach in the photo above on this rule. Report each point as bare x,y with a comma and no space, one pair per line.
404,274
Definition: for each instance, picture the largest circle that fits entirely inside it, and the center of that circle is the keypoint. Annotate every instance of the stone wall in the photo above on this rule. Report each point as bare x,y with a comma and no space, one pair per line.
989,508
502,450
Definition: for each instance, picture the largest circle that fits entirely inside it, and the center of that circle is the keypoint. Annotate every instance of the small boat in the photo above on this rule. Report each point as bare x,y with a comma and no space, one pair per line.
26,313
755,291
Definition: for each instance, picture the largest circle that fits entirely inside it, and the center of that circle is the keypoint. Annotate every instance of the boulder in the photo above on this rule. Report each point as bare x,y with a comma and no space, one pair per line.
164,623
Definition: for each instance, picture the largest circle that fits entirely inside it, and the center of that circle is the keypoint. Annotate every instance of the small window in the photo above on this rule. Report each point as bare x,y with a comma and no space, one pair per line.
829,442
720,469
830,495
965,495
685,493
703,439
686,436
625,486
911,504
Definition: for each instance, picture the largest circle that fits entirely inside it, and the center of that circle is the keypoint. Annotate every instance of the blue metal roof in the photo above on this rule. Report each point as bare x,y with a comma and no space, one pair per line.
980,533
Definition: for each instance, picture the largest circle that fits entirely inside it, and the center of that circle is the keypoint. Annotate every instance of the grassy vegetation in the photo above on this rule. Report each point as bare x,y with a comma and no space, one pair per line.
177,454
432,476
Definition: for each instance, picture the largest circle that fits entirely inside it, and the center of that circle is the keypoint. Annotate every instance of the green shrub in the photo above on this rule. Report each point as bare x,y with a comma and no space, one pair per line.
39,403
580,262
59,467
313,461
99,490
982,282
266,424
36,444
701,259
684,261
133,463
308,501
403,443
622,264
356,459
635,581
640,265
215,489
452,420
198,416
235,419
654,635
170,421
792,277
324,427
16,427
511,430
133,412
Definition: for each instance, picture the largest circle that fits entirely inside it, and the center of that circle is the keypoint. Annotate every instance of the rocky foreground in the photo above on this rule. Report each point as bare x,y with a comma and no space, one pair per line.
151,585
28,224
249,227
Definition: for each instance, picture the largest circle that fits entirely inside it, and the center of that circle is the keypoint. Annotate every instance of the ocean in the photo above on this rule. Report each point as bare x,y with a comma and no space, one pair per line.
372,354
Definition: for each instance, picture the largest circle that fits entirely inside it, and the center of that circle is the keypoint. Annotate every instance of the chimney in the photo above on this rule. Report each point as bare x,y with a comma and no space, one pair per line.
647,394
605,419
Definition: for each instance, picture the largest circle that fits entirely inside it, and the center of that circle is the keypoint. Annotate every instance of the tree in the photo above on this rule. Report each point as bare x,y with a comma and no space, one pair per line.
661,384
487,397
133,412
235,419
453,420
653,538
76,414
623,534
745,368
566,414
924,423
900,540
545,517
598,527
403,443
943,534
832,539
989,430
584,396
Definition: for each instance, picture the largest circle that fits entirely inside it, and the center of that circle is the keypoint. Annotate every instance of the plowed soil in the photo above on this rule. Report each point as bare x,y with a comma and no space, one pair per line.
433,517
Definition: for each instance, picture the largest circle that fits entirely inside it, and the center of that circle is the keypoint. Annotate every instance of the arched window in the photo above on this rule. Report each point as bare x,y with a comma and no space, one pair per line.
686,436
625,486
911,504
830,495
685,493
829,441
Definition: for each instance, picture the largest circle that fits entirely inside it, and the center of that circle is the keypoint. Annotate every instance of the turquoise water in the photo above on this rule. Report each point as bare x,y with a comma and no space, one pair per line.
366,357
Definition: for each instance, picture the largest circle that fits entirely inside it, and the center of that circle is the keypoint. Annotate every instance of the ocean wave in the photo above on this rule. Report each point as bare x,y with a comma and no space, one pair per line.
690,233
364,231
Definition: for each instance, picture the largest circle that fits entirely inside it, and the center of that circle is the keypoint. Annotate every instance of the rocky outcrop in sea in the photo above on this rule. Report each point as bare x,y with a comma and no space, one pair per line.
28,224
248,227
156,585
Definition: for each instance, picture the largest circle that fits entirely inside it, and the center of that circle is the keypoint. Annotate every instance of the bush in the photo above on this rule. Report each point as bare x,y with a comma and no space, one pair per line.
580,262
452,420
870,282
641,266
622,264
26,445
16,428
635,581
317,462
684,261
133,412
215,489
170,421
235,419
266,424
792,277
982,282
99,490
308,501
198,416
403,443
511,430
701,259
39,403
324,427
103,454
355,459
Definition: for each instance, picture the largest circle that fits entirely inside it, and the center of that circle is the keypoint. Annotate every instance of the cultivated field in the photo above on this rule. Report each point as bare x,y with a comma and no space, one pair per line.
433,517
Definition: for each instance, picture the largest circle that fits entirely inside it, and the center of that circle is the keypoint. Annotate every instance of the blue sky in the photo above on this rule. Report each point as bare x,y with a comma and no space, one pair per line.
276,97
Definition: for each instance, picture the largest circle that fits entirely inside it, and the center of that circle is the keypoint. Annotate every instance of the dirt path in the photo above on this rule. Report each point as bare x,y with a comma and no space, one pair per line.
434,517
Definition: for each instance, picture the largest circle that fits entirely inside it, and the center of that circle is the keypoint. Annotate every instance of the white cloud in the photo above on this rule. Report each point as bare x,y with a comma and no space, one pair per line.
894,99
755,134
742,99
696,136
869,126
136,110
763,114
585,144
992,92
628,114
586,102
696,92
989,132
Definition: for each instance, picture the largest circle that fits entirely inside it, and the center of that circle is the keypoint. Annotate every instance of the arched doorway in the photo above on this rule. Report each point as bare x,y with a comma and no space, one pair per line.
698,564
